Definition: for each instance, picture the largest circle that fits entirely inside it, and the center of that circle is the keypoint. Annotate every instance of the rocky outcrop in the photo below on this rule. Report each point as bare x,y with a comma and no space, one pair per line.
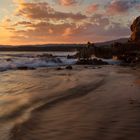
25,68
135,28
92,62
69,67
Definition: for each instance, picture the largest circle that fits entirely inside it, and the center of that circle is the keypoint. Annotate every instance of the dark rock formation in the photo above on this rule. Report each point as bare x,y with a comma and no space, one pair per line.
25,68
8,59
71,56
69,67
92,62
46,55
135,28
59,68
129,53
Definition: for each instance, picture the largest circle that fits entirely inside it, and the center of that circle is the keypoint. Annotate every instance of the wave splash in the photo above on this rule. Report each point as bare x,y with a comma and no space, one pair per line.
14,61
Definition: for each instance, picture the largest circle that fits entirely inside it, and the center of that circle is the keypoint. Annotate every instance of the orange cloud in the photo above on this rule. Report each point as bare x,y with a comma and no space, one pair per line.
121,6
42,10
67,2
92,8
40,23
18,1
68,31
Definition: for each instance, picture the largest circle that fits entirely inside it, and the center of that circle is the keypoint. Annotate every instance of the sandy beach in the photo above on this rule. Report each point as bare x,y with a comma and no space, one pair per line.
86,103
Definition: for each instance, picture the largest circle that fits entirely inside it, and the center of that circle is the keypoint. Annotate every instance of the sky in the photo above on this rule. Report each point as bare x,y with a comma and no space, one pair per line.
65,21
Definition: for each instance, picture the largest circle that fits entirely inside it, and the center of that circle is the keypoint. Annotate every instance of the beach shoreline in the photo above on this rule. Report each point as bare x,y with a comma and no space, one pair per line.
100,103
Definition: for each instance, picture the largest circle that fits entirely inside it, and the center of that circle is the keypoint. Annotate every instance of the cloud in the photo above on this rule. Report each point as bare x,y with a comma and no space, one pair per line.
18,1
23,23
68,31
67,2
39,23
92,8
43,11
96,29
121,6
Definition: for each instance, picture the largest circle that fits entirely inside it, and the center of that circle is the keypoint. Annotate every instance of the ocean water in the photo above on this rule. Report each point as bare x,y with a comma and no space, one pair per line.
22,91
41,104
13,60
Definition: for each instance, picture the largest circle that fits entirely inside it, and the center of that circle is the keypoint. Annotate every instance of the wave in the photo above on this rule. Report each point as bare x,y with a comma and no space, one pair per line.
72,93
32,61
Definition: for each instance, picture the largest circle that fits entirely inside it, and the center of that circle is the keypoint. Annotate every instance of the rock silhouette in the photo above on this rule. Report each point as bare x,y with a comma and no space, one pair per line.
135,28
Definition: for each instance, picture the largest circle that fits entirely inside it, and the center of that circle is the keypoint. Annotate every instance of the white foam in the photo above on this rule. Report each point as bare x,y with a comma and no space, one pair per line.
13,61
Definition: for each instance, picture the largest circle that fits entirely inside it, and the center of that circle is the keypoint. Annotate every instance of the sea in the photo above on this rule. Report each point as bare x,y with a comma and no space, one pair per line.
16,60
22,91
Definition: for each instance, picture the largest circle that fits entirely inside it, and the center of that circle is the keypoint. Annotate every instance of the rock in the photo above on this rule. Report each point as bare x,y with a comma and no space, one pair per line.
99,67
46,55
84,62
59,68
8,59
86,67
69,67
25,68
92,62
99,62
135,28
71,56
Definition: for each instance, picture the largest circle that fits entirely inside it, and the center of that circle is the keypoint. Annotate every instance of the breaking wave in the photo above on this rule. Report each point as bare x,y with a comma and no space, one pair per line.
13,61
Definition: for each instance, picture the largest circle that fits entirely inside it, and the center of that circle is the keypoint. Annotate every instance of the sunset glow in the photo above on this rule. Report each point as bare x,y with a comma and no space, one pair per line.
65,21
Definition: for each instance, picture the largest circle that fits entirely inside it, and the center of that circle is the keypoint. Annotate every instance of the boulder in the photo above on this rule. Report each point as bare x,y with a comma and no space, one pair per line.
99,62
69,67
94,61
59,68
135,28
25,68
8,59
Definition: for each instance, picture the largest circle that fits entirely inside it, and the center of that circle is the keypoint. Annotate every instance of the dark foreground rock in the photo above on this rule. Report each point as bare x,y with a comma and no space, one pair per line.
8,59
46,55
135,28
25,68
59,68
92,62
69,67
71,56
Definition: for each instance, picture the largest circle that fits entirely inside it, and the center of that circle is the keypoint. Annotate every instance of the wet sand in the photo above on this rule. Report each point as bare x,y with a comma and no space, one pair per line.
83,104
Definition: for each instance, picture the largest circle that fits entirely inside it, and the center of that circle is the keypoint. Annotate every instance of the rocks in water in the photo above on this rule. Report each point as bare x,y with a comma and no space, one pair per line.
71,56
130,57
135,28
25,68
8,59
92,62
45,55
59,68
99,62
69,67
